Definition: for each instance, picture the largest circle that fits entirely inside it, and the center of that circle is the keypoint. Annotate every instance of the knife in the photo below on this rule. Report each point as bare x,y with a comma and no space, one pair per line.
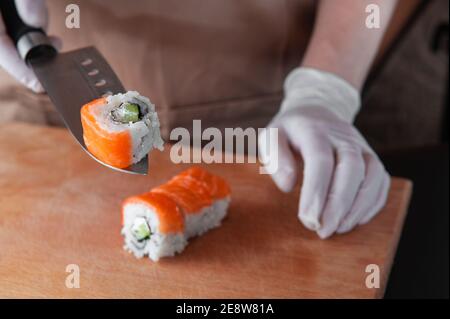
71,79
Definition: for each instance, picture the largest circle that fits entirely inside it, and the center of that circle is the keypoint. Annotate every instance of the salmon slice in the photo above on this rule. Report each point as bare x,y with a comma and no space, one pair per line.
113,148
170,218
217,186
187,199
195,189
198,187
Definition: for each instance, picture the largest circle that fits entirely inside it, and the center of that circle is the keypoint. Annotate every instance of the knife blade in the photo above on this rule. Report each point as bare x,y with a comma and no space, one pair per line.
71,79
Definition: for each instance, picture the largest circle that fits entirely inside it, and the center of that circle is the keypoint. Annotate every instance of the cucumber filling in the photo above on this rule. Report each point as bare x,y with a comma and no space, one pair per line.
126,113
140,229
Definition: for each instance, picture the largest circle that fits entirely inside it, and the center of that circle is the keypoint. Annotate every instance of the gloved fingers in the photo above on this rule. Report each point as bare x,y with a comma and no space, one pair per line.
33,12
348,177
361,141
368,194
318,166
14,65
381,201
11,62
279,153
352,137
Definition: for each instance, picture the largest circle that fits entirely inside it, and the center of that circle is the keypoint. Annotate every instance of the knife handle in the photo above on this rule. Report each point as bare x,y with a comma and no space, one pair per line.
30,42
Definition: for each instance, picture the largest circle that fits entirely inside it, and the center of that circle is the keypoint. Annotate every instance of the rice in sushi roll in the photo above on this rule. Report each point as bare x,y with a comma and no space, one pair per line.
201,198
121,129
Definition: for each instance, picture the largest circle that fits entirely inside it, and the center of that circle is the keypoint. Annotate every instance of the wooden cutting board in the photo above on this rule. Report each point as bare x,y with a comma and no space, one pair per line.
60,207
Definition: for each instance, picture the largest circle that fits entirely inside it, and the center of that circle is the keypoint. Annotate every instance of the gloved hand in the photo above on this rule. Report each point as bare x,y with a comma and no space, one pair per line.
344,182
33,13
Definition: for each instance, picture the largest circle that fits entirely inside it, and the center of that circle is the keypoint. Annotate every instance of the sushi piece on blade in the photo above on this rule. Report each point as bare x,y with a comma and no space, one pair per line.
121,129
201,198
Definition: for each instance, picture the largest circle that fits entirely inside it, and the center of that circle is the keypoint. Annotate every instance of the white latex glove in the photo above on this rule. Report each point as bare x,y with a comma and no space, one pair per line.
344,182
33,13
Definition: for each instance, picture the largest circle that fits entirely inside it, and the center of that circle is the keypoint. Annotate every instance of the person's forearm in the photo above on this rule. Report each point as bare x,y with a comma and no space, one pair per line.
341,43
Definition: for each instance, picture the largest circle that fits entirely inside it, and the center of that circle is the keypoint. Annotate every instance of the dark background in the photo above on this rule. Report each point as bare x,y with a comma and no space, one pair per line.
410,89
421,268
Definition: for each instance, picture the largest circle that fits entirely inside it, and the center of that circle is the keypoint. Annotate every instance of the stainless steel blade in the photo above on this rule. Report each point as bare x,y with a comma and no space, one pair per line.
74,78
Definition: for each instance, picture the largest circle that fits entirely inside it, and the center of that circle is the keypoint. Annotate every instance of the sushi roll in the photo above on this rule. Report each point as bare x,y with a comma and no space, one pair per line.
121,129
204,199
201,198
153,225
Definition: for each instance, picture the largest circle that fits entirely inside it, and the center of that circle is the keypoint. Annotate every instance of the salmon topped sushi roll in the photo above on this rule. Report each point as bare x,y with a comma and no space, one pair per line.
201,198
193,203
153,225
218,189
121,129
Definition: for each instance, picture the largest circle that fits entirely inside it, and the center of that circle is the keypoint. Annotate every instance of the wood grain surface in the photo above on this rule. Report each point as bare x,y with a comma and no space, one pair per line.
60,207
